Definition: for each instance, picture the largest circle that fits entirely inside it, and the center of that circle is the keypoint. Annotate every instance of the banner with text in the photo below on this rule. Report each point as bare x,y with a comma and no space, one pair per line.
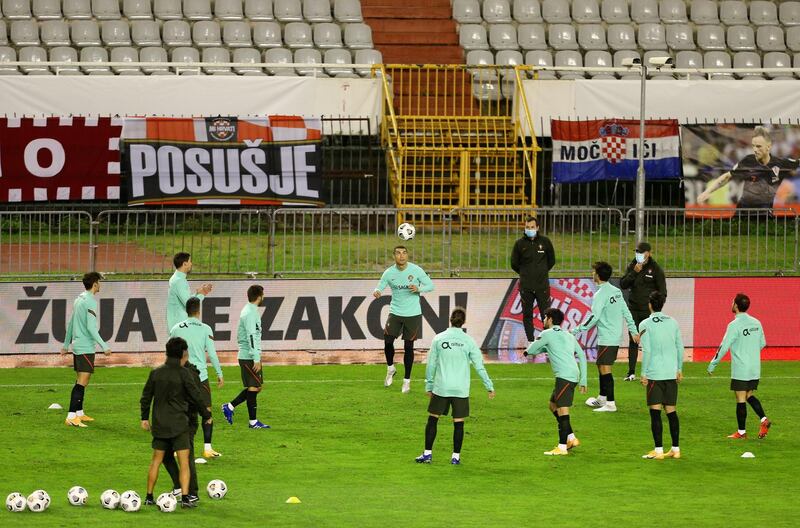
732,166
608,149
275,160
59,159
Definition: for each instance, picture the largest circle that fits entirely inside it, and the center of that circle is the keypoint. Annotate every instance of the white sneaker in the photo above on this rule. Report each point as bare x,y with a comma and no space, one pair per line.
594,402
608,407
630,377
406,386
200,460
390,372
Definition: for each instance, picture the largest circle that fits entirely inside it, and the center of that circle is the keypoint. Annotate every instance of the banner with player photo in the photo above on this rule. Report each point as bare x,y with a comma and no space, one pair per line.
608,149
273,160
59,159
741,166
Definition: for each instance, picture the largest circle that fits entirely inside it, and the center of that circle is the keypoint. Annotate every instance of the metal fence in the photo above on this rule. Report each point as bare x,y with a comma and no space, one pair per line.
45,243
358,242
221,241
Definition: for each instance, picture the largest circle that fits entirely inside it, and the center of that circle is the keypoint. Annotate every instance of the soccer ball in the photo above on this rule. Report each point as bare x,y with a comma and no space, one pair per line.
38,501
406,231
216,489
167,502
15,502
109,499
130,501
77,496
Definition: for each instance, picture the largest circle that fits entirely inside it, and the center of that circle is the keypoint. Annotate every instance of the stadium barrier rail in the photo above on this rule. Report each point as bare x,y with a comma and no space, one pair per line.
52,244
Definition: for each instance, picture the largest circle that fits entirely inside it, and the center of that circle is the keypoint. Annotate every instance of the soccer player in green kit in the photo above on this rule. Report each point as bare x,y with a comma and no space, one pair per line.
447,383
608,311
745,339
83,336
179,291
248,336
407,281
200,339
662,362
561,349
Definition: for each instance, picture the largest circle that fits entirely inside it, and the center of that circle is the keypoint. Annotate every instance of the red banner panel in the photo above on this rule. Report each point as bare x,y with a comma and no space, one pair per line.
59,159
775,301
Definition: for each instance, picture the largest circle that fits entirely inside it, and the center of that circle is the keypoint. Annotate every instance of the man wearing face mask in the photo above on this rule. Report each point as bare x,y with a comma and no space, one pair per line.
533,257
643,277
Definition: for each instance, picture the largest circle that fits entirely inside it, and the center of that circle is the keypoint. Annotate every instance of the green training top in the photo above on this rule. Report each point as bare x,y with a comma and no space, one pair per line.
179,293
405,303
561,348
200,339
662,347
745,339
82,331
451,354
608,309
249,333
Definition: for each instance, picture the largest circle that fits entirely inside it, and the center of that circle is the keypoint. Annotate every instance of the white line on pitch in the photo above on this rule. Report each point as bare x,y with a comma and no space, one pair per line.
371,380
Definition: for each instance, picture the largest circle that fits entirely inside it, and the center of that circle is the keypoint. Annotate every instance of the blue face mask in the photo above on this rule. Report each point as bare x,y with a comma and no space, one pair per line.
640,258
530,233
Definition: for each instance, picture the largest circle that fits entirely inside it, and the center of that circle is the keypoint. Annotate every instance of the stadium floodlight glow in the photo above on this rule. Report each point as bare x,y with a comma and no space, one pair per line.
660,62
631,61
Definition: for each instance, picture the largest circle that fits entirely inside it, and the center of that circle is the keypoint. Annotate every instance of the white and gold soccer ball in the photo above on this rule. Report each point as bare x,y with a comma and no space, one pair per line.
216,489
38,501
167,502
406,231
109,499
77,496
15,502
130,501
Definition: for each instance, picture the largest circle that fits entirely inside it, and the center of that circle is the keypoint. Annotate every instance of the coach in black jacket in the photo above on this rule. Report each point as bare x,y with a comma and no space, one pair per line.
533,257
642,277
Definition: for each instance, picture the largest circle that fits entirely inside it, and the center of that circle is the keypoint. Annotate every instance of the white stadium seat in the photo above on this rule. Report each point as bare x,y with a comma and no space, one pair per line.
651,37
540,58
531,36
770,38
288,10
216,55
185,54
258,10
741,38
55,33
599,59
503,37
704,12
733,13
619,58
467,12
562,37
496,11
206,33
298,35
197,9
153,54
317,10
167,9
672,12
592,37
473,36
308,56
711,38
645,12
33,54
339,57
793,38
621,37
509,59
586,11
145,33
747,60
527,11
717,60
556,11
763,13
615,11
3,34
106,9
689,59
328,35
778,59
137,9
236,34
125,54
347,11
281,56
228,10
790,13
267,35
367,56
24,33
94,54
85,33
17,9
481,58
357,36
569,58
115,33
246,55
77,9
64,54
8,54
47,9
177,33
680,37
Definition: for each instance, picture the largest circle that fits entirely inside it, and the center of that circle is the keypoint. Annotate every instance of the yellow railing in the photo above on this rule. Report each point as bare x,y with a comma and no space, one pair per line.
452,138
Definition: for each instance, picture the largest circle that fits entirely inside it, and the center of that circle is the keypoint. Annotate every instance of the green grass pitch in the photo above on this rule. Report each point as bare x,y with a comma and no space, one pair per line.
345,446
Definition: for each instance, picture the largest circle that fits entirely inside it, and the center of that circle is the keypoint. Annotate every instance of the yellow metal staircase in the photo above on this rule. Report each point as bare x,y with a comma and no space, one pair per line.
452,141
